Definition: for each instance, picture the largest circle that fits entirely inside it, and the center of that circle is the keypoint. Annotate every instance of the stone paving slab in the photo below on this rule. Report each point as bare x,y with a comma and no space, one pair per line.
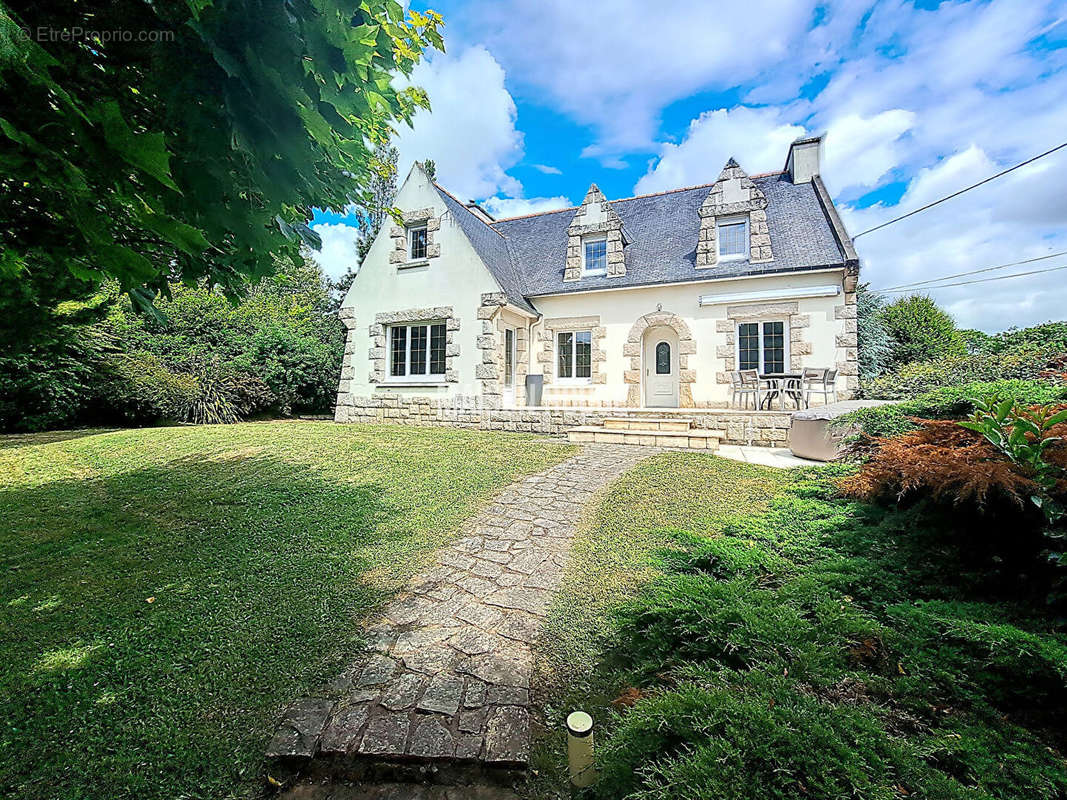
446,674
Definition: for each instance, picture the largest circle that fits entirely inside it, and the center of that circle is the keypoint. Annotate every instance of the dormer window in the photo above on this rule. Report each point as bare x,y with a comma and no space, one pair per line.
596,256
733,238
417,243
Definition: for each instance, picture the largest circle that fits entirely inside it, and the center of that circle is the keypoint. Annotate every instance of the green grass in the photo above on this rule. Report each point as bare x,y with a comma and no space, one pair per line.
808,647
612,559
260,547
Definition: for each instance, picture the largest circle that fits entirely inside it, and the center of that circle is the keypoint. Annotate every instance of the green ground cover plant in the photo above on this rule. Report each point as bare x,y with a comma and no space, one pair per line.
948,402
164,592
818,647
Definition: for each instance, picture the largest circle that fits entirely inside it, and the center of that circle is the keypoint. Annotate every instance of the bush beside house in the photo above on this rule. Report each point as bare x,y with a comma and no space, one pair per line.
205,360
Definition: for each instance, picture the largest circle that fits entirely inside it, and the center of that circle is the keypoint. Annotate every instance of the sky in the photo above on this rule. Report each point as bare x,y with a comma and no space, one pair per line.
533,101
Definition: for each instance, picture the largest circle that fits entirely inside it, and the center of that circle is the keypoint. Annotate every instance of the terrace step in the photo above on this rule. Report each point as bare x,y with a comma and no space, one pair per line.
648,423
692,439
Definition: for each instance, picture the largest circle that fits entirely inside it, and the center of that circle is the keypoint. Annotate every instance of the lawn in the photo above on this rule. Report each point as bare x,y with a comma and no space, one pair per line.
163,592
613,557
766,638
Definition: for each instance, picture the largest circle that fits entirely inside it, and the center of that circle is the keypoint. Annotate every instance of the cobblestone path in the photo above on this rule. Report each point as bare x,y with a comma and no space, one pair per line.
447,673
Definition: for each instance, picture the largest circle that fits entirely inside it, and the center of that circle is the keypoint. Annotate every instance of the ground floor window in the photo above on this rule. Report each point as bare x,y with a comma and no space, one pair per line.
762,346
574,355
417,350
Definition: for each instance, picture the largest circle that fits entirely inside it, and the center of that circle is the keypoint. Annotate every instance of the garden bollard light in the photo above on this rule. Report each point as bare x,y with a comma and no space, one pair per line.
580,749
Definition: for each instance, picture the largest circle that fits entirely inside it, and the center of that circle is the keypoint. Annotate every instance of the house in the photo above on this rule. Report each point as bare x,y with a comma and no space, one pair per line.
644,302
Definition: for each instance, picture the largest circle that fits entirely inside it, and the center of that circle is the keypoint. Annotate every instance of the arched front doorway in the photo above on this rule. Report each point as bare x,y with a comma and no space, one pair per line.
661,371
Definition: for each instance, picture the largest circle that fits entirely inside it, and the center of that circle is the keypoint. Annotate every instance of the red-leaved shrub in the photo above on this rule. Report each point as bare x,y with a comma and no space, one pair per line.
948,464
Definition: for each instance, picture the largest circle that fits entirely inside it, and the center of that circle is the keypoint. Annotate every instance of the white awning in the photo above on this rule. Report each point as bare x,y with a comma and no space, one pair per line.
770,294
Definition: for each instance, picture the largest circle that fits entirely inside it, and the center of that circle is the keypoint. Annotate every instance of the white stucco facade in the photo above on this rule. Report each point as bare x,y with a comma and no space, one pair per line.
817,330
495,339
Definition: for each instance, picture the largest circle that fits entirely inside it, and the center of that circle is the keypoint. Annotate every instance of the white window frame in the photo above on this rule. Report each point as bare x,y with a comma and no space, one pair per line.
594,273
786,354
733,220
573,381
419,226
422,377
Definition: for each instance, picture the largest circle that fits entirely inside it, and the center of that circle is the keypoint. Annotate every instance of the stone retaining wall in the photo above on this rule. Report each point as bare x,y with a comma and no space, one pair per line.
765,429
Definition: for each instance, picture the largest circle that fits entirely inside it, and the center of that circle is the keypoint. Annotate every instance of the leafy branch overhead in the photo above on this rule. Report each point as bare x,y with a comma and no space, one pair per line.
197,147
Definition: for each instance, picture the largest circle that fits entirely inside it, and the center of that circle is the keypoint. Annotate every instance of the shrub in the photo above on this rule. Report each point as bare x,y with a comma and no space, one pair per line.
942,461
920,330
756,736
1047,334
875,343
1004,484
141,390
948,402
49,357
830,648
204,359
921,377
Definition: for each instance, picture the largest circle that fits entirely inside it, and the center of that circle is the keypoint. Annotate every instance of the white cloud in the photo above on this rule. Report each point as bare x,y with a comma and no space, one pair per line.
941,98
547,169
501,207
470,132
338,253
615,64
860,150
1015,217
757,137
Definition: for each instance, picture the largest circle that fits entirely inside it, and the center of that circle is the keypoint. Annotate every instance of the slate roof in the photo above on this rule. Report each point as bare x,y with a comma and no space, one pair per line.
491,247
527,254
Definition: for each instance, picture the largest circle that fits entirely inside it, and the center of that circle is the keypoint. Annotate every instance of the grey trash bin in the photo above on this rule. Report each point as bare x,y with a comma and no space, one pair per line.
535,387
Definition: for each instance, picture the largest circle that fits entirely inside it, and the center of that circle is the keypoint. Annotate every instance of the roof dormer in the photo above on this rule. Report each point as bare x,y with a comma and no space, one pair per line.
733,221
595,228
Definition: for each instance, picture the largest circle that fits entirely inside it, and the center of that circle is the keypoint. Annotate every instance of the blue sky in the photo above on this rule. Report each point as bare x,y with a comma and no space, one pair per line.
533,101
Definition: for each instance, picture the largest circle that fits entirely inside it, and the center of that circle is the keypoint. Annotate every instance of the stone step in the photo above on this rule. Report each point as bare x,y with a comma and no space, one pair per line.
648,423
695,439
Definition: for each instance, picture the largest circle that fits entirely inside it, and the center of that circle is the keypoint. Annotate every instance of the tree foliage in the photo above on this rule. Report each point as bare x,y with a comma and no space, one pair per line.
920,330
381,192
189,140
205,359
1047,334
875,343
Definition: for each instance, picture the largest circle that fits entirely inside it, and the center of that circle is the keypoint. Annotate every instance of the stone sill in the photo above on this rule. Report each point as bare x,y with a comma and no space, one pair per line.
412,265
402,384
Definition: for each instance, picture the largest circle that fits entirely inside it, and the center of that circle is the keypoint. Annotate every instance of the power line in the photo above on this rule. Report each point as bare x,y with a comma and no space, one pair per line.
980,280
971,272
961,191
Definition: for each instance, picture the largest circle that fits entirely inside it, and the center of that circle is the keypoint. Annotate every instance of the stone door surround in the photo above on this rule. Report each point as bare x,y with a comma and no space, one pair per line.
687,347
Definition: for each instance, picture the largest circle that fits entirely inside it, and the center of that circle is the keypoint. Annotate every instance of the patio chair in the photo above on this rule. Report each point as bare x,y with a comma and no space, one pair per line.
819,381
745,383
794,390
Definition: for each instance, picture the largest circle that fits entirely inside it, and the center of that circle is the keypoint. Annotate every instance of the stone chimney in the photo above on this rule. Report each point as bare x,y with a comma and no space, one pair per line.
803,162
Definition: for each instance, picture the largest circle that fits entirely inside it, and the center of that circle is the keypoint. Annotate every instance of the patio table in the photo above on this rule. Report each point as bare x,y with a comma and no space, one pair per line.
781,382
